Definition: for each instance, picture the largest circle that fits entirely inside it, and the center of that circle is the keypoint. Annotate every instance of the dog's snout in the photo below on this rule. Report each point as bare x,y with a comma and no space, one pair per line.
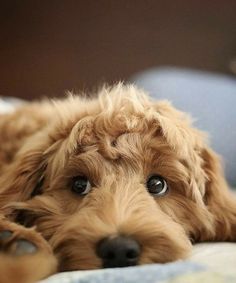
118,252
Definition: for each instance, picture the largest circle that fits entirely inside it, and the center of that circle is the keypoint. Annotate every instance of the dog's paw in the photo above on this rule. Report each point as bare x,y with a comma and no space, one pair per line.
25,256
16,240
13,245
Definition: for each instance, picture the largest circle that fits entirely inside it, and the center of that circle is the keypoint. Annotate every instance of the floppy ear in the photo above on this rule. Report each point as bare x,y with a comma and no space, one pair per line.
219,199
21,179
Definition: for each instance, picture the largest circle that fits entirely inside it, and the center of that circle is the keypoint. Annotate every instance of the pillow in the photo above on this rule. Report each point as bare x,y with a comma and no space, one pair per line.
8,104
209,98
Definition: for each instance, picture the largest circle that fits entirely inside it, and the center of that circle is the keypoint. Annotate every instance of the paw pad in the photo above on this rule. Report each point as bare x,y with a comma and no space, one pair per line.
22,247
5,235
11,244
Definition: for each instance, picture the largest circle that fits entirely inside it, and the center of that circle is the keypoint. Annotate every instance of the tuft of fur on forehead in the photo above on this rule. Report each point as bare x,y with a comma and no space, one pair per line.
124,108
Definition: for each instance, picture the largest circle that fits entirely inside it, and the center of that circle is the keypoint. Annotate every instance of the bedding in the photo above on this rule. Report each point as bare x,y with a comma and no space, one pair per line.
8,104
211,263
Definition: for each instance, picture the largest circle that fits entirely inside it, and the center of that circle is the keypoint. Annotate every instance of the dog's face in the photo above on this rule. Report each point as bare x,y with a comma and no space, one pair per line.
118,181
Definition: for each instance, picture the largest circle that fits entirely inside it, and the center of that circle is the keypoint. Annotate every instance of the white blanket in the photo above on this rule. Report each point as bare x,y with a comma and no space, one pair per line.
209,263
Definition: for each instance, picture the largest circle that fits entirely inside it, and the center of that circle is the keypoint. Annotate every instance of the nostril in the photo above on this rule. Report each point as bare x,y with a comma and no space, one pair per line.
132,254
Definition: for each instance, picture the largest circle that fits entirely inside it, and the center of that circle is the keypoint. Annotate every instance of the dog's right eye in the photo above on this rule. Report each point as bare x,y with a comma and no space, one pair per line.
81,185
157,185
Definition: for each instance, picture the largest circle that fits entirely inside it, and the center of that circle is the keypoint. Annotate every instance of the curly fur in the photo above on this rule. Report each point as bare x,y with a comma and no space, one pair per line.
117,140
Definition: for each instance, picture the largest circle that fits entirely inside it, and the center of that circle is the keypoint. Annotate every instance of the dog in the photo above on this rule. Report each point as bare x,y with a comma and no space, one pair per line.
110,181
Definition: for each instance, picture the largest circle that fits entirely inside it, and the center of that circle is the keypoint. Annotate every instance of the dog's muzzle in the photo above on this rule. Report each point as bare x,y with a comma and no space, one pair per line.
118,252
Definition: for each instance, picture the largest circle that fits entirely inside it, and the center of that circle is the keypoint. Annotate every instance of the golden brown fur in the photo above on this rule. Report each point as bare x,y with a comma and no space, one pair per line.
117,140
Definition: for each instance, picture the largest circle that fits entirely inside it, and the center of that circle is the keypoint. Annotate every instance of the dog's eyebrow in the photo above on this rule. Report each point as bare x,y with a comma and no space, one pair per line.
38,187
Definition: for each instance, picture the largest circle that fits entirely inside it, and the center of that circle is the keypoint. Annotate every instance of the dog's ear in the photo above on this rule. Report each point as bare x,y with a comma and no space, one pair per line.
22,179
177,129
218,198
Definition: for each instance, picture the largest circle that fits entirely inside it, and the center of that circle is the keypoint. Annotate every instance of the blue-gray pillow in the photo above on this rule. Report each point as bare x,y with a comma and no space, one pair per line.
209,98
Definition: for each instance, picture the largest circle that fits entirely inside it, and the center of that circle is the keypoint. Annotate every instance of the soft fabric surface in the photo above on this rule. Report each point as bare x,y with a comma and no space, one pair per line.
212,263
8,104
209,98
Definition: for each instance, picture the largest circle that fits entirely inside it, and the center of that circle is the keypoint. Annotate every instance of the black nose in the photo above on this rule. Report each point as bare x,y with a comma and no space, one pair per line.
118,252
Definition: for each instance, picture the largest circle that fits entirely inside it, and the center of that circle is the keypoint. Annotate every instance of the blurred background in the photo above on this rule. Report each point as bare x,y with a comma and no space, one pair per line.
48,47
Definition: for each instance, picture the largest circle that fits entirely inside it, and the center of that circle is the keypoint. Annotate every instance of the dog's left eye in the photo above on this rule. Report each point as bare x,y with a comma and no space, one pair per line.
157,185
81,185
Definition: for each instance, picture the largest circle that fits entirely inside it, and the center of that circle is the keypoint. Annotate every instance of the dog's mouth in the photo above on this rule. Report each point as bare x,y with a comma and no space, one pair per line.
81,245
117,252
110,252
85,247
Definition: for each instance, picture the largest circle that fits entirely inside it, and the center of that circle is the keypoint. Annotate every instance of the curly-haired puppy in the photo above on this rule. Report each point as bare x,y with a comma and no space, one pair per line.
112,181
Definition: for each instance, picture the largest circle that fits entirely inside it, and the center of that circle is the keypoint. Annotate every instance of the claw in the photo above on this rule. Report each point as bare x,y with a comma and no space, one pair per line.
4,235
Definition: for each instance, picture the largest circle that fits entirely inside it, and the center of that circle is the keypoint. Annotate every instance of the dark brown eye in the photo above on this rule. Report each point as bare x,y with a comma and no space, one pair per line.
157,185
81,185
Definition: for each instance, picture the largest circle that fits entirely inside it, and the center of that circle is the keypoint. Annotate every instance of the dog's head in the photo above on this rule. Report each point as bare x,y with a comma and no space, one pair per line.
120,180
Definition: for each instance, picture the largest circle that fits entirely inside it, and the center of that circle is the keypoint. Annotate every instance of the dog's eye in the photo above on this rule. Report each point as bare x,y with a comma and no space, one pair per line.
81,185
157,185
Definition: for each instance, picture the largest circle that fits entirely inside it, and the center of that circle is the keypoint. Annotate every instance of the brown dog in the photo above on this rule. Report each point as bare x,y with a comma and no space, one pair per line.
117,180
